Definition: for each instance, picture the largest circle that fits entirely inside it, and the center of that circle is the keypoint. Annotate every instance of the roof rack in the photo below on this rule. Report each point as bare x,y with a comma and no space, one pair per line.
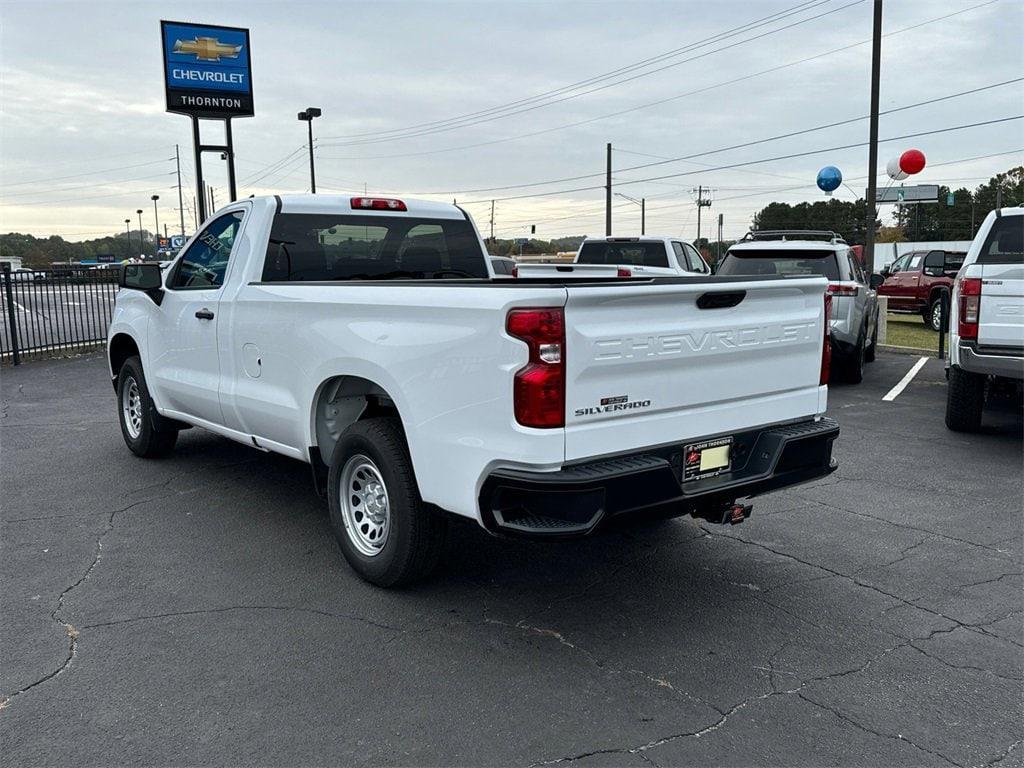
793,234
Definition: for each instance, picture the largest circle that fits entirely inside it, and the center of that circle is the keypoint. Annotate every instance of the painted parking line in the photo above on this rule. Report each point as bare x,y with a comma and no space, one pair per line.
893,393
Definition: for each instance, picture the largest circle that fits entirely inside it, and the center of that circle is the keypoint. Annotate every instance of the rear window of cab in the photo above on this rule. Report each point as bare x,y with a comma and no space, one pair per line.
777,261
651,254
1005,242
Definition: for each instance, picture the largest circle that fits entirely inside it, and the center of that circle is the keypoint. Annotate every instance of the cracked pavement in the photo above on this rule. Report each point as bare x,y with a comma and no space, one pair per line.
196,611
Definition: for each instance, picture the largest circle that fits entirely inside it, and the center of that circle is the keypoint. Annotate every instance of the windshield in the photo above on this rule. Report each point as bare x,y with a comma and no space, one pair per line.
315,247
776,261
651,254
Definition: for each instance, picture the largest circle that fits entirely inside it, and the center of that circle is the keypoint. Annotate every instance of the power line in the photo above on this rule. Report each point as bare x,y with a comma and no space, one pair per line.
596,78
746,41
742,145
770,159
84,186
658,102
87,173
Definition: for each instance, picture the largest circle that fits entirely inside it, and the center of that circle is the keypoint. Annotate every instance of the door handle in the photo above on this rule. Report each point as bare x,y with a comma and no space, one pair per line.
204,314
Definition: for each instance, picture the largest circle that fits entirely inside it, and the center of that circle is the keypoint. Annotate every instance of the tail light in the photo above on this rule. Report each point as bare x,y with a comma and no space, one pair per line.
843,289
515,271
826,345
623,272
538,391
377,204
970,306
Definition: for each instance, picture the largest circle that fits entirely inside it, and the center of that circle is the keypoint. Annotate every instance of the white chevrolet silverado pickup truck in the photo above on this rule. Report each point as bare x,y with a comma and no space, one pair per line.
644,256
369,338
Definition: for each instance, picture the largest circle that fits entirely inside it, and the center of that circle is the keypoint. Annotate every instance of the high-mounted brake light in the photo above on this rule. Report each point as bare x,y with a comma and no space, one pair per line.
970,307
843,289
826,344
377,204
623,272
538,390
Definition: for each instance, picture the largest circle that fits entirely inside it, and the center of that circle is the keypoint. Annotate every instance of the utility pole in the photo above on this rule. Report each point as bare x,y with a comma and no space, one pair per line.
128,231
871,204
492,222
195,212
307,116
701,203
643,215
181,203
213,203
608,193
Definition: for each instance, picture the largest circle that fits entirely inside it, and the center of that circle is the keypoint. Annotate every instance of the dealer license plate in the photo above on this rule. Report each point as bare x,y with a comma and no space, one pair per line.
707,459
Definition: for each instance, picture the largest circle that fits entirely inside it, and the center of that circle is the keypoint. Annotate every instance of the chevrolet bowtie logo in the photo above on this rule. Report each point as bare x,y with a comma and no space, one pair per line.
207,48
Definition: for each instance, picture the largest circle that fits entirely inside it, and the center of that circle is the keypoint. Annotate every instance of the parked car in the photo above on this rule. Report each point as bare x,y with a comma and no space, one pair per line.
644,256
986,337
796,253
916,282
369,338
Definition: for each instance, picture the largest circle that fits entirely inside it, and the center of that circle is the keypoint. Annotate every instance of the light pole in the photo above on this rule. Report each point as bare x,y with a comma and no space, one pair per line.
128,232
156,222
308,114
139,212
642,202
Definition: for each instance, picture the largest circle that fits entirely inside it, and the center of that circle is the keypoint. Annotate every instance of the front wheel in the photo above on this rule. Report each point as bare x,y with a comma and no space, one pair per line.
385,530
145,432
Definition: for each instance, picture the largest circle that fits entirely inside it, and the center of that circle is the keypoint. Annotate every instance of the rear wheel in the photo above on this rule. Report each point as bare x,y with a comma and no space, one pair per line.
385,530
869,353
965,398
145,432
852,368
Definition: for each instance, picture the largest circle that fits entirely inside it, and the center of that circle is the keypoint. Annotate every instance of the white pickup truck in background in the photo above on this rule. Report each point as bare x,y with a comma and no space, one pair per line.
370,338
644,256
986,344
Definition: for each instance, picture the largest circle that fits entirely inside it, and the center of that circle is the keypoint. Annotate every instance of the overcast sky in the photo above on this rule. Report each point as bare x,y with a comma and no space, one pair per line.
86,140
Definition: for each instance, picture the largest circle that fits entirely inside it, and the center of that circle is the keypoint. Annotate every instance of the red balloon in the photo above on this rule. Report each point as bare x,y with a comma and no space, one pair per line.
912,161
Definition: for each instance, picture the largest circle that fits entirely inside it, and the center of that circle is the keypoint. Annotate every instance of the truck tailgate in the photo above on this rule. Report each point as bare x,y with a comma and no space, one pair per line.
663,363
1001,319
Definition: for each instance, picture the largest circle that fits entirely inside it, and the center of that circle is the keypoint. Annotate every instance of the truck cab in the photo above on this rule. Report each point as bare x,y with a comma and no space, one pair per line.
917,281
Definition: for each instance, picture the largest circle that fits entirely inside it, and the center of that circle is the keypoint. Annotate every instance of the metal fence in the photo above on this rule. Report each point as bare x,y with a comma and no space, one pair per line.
54,310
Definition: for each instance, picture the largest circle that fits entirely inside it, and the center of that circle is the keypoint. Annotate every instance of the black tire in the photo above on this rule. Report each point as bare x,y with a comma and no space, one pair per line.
852,367
415,533
965,399
151,436
932,315
869,353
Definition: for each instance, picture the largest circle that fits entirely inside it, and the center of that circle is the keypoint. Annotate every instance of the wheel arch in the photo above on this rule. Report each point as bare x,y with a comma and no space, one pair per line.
341,401
120,348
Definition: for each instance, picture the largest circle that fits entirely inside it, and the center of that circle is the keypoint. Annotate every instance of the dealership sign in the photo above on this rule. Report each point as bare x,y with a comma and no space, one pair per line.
207,70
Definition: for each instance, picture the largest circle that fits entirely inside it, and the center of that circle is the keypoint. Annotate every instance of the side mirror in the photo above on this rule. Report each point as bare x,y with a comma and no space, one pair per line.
933,271
885,271
147,278
877,280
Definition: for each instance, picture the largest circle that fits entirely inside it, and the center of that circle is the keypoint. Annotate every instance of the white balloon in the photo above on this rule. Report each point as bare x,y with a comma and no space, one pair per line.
895,172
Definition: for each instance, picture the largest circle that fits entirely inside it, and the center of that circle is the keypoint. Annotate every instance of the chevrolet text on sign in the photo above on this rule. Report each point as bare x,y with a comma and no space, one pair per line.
207,70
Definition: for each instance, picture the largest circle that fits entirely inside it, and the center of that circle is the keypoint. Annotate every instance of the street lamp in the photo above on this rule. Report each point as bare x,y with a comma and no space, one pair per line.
139,211
642,202
128,231
308,114
156,221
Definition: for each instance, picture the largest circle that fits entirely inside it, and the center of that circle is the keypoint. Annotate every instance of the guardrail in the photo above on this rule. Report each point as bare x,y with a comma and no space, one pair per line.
54,310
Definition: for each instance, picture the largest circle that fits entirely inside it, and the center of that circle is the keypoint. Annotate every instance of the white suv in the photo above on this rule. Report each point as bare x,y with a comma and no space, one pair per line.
986,335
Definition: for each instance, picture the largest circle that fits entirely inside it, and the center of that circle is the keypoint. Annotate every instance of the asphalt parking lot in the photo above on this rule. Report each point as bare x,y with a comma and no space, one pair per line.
196,611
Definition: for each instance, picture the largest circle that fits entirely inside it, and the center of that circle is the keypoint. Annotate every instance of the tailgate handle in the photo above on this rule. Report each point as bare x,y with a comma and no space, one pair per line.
720,300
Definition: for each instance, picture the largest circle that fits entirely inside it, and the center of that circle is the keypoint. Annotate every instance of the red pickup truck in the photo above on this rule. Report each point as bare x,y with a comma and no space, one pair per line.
915,281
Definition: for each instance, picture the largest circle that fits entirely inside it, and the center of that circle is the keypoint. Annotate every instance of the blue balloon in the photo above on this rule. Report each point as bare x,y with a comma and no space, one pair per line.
829,178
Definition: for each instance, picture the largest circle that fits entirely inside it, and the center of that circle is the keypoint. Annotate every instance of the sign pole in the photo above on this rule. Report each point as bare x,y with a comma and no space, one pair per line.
232,190
197,148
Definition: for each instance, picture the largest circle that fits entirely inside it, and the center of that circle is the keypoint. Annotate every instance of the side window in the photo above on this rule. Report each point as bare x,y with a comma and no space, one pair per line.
855,271
681,256
205,262
900,264
915,262
696,262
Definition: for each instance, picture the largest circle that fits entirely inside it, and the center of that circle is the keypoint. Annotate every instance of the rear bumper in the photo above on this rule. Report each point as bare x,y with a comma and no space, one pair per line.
991,361
580,498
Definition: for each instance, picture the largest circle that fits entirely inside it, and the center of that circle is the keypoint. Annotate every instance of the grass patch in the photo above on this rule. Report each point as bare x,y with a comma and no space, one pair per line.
910,331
